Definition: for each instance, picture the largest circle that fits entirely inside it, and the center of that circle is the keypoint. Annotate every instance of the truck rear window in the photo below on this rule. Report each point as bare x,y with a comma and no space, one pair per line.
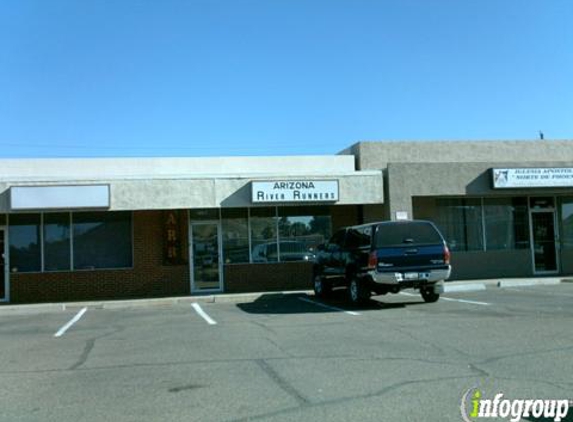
406,234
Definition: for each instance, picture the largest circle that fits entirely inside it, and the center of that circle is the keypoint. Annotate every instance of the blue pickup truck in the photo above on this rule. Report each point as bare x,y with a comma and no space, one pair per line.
383,257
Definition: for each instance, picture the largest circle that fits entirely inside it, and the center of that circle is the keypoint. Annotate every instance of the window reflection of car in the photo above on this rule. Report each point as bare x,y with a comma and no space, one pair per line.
290,250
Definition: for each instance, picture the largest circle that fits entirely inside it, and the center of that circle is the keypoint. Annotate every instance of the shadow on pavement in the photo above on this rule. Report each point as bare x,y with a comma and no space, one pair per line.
292,304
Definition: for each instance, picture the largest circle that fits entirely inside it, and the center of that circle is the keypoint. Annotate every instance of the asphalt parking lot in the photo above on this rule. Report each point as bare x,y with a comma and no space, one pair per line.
288,358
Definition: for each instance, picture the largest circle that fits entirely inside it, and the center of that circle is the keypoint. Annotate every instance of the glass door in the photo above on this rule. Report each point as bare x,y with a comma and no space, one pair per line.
3,267
205,250
543,241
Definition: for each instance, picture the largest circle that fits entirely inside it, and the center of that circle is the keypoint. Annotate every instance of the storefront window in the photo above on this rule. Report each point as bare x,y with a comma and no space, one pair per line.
567,223
25,250
204,214
264,235
460,221
102,240
57,242
301,230
235,235
506,223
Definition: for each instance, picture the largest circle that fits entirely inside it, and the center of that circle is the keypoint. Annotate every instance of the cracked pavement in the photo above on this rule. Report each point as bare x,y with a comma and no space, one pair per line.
281,359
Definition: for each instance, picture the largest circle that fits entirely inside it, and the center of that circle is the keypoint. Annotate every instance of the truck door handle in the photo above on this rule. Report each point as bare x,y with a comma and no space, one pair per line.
411,251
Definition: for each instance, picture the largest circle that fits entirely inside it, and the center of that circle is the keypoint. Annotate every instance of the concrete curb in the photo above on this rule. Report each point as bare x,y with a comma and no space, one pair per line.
449,287
523,283
145,303
467,287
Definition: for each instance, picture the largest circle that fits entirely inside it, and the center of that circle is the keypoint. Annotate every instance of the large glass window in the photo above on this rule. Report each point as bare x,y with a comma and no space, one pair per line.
102,240
25,250
506,223
460,221
301,230
57,242
567,223
264,235
235,235
415,234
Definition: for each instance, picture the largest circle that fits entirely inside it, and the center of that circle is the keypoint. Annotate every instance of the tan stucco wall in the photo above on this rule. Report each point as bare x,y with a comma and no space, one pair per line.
154,194
491,264
406,180
377,155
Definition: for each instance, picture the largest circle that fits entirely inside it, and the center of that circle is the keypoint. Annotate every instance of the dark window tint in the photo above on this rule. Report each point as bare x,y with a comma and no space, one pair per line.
337,238
102,240
25,251
357,238
57,242
235,235
412,233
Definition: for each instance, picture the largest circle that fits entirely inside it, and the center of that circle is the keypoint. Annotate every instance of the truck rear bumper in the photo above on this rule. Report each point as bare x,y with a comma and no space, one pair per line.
410,278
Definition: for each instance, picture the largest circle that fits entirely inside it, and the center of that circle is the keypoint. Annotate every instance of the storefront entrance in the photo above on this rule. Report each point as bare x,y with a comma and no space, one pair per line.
3,267
205,256
543,244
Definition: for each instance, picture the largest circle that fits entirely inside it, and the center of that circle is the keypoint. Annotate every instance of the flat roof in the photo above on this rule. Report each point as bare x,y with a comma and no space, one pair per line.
23,169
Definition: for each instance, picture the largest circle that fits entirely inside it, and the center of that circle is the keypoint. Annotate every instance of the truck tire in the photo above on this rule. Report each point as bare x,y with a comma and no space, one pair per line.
357,291
321,287
429,295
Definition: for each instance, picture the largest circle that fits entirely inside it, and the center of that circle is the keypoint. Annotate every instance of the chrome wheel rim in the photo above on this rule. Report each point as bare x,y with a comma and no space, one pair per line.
354,290
318,285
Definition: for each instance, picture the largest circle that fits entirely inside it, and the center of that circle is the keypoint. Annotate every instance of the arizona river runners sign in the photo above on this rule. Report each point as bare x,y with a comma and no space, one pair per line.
295,191
532,177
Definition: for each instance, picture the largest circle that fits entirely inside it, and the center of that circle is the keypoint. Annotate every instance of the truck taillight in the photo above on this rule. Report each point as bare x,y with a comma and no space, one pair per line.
372,259
447,255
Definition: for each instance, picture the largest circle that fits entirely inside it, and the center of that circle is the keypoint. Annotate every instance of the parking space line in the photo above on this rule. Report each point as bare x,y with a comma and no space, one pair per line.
203,314
333,308
471,302
71,322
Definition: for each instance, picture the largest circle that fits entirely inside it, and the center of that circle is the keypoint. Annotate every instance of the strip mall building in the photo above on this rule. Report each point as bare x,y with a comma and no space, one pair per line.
84,229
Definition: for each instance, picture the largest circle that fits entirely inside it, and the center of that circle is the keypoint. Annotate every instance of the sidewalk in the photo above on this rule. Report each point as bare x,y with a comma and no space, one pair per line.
450,287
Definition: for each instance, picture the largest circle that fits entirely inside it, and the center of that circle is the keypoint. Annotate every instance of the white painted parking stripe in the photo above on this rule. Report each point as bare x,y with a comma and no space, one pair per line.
332,308
203,314
471,302
75,319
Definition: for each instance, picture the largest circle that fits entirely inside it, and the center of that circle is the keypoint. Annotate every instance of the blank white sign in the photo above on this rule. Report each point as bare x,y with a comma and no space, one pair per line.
59,197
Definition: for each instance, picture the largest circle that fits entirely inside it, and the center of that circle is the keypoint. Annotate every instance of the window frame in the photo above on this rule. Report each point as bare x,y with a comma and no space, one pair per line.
71,245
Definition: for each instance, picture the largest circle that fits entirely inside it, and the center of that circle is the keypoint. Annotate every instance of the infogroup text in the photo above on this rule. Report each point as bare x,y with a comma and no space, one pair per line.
474,406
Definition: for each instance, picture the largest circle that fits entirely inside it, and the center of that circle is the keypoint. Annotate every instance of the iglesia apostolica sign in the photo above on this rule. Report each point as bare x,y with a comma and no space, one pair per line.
295,191
532,178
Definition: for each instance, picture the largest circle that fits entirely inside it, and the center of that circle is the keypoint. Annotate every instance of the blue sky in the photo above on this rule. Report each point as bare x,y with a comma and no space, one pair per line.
274,77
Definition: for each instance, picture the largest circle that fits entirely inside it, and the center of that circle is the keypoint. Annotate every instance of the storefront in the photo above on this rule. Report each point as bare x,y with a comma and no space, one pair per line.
81,229
123,228
505,208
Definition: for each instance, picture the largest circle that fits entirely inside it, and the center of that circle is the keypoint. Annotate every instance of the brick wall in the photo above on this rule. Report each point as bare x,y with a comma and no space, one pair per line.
148,277
268,277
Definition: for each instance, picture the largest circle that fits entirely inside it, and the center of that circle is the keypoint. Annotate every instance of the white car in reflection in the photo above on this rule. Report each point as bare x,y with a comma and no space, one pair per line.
290,250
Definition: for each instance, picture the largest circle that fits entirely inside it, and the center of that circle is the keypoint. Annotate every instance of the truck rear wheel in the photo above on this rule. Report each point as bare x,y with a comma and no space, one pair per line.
357,291
429,295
